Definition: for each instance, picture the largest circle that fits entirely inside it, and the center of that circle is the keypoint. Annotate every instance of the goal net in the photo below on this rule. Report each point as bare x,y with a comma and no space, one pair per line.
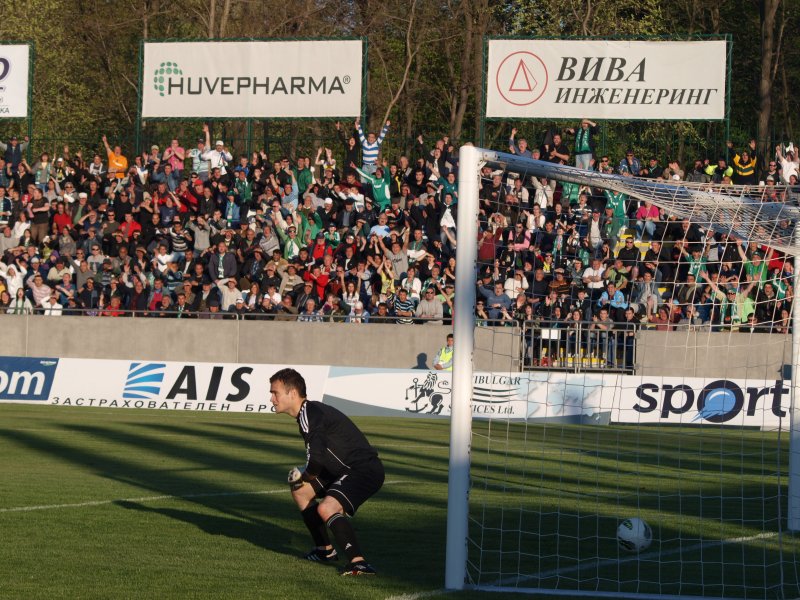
621,424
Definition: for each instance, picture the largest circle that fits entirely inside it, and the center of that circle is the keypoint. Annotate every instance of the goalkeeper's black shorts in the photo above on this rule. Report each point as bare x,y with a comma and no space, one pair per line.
354,488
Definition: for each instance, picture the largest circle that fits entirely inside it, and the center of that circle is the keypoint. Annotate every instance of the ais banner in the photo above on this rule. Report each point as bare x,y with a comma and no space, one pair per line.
320,78
160,385
606,79
14,71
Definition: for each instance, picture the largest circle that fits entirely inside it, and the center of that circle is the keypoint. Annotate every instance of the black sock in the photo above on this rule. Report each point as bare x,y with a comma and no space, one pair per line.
315,525
345,535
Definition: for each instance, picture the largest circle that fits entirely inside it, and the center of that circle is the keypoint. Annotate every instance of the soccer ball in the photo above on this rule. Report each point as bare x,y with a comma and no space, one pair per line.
634,535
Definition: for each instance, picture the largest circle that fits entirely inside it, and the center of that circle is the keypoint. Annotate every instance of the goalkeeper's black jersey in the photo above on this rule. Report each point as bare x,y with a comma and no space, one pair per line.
333,442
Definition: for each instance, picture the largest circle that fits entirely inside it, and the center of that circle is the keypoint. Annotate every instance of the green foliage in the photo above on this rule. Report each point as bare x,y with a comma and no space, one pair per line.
87,61
580,18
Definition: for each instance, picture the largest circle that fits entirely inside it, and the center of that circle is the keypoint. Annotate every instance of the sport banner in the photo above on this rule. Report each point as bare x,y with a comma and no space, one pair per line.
606,79
15,68
591,398
565,397
319,78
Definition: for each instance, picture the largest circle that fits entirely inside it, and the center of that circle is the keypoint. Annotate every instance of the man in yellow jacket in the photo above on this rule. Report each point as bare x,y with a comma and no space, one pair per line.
444,358
744,167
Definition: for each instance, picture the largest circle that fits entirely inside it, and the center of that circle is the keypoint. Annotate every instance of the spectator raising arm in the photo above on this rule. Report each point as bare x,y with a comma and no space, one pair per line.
370,146
520,147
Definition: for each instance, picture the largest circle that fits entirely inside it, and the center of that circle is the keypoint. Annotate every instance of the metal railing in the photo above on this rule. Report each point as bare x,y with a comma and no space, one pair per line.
577,346
65,311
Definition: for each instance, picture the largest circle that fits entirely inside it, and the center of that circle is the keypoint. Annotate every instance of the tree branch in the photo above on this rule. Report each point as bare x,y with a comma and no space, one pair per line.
410,54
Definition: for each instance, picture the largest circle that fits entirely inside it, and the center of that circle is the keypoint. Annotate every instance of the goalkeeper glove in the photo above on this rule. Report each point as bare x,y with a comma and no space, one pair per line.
295,479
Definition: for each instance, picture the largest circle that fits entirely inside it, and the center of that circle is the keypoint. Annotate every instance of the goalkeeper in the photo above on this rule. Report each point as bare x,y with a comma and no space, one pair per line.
342,470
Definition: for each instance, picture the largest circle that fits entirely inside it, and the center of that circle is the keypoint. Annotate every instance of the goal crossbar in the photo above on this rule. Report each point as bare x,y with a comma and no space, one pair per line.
738,210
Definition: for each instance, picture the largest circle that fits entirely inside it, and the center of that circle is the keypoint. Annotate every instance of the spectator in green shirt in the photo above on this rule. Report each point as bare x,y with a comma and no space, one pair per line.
381,183
756,266
696,259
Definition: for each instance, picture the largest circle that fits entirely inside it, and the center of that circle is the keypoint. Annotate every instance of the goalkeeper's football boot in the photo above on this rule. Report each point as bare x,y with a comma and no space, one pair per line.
317,555
361,567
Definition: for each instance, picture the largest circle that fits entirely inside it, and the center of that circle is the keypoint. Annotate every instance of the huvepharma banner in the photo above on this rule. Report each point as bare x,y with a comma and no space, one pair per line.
15,67
313,78
606,79
532,396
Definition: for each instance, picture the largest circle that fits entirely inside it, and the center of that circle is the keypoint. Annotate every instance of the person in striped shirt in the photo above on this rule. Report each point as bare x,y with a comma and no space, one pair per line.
370,147
403,307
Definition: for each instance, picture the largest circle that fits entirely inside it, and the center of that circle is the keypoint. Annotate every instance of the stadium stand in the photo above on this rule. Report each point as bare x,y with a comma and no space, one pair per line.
205,233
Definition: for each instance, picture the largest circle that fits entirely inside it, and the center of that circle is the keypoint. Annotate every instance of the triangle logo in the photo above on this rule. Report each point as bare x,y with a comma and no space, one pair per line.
521,78
521,82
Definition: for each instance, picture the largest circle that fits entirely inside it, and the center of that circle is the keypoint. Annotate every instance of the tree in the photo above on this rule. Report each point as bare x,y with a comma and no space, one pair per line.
770,55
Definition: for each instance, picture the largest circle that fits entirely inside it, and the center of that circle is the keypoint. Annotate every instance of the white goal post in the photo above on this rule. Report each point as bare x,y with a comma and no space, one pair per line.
463,344
732,210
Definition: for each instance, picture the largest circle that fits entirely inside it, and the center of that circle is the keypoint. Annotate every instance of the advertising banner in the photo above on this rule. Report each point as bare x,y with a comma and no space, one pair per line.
591,398
27,379
147,384
14,71
516,396
694,401
565,397
606,79
320,78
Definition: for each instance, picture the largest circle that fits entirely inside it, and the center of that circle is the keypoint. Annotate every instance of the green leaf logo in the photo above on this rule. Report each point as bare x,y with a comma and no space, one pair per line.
162,72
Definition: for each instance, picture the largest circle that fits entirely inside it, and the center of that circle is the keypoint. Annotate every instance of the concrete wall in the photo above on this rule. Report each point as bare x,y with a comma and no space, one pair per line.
378,345
704,354
679,354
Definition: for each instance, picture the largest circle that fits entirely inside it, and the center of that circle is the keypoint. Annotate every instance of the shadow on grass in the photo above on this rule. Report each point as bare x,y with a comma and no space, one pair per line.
259,533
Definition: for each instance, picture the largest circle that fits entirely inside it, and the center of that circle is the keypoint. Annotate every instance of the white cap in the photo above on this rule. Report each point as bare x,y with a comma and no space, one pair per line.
83,195
328,201
219,143
239,299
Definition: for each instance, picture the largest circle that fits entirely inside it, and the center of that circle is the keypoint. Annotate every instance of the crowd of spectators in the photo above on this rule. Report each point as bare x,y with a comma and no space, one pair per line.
347,234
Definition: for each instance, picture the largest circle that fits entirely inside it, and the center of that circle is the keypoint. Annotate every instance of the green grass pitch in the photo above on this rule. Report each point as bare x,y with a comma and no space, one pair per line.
142,504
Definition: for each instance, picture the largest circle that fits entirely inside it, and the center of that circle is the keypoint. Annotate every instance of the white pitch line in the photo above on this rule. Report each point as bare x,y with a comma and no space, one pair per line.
416,595
154,499
142,499
598,564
